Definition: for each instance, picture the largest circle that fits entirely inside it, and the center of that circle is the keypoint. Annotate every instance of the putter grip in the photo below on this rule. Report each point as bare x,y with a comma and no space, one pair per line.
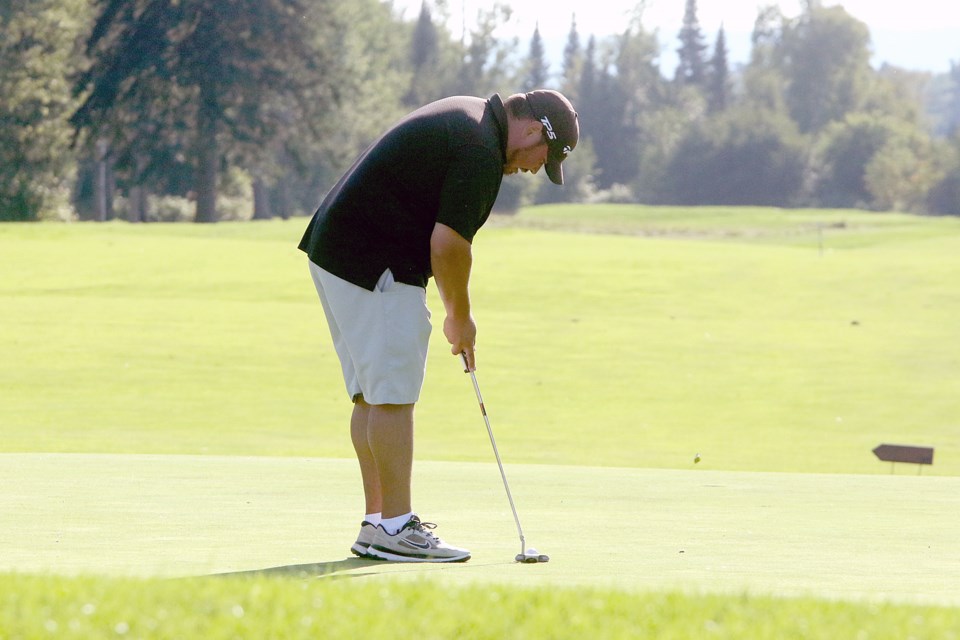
463,359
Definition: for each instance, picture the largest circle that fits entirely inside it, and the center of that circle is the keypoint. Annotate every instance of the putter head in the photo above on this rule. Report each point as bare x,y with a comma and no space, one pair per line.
532,558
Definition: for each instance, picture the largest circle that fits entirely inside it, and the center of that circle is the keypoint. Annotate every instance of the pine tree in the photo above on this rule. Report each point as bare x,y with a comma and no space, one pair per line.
587,89
588,76
572,63
691,68
537,69
719,79
424,52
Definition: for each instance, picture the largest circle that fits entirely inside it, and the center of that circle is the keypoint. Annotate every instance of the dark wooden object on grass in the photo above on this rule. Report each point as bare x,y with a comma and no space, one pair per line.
893,453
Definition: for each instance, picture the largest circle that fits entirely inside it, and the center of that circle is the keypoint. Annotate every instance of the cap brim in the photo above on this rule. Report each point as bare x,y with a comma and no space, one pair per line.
554,171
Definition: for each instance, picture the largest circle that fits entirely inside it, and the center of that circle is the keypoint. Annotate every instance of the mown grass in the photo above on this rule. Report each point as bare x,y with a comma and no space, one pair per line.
812,228
34,607
835,536
762,339
634,349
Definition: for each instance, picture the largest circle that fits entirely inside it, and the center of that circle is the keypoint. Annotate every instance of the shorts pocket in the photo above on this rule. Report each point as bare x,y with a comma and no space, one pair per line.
386,281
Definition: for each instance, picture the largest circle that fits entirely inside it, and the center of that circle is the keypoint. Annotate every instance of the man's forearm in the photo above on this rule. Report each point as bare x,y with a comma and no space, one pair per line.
451,259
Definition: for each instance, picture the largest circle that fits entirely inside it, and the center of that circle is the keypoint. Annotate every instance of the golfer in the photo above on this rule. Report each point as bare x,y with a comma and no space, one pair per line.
407,210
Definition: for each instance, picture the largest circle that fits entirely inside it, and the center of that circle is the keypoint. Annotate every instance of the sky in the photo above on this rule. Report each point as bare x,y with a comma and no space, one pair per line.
919,35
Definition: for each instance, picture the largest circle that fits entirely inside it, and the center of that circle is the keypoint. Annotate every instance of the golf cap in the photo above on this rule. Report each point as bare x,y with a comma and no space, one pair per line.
560,125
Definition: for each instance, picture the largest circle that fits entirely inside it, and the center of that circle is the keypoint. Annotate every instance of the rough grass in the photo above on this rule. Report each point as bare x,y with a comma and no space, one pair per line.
34,607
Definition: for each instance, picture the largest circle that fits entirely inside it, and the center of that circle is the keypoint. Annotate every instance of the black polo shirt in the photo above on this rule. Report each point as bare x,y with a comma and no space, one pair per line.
442,163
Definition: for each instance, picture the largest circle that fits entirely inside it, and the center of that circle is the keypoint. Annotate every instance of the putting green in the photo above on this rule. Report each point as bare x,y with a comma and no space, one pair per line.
879,537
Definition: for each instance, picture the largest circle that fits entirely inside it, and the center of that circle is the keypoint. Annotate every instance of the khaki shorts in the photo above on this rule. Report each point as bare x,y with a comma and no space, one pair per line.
380,336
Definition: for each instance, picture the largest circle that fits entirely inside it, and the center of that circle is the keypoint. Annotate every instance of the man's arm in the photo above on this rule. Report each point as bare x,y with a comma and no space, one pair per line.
451,257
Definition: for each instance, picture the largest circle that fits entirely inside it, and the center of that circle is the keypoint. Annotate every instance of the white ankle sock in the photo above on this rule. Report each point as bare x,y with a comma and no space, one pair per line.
372,518
392,525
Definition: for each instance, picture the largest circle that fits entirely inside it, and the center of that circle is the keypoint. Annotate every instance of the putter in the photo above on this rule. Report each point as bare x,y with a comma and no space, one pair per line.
526,555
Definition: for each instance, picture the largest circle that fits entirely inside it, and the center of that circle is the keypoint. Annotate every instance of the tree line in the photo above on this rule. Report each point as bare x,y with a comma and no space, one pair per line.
207,110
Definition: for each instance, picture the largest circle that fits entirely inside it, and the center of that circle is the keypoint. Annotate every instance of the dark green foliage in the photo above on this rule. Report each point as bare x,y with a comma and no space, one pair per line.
718,81
741,158
944,197
36,53
825,58
848,149
171,93
572,64
692,66
537,68
953,103
424,59
619,89
233,71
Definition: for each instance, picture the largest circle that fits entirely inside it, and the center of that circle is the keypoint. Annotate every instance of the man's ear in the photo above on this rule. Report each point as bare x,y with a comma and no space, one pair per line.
534,129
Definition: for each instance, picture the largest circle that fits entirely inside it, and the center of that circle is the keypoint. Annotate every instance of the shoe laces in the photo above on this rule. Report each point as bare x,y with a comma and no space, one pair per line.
424,528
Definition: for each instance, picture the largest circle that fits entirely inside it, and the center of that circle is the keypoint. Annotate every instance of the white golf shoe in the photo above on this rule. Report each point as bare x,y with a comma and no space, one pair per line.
362,545
414,543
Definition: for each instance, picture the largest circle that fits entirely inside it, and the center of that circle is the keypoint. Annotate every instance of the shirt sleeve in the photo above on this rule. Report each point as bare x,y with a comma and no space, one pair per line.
469,191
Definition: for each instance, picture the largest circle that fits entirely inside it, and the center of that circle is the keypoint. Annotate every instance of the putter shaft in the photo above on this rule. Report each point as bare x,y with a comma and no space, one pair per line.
496,453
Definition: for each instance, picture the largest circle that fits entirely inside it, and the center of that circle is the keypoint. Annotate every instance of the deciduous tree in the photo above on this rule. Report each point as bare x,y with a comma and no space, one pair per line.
825,60
216,68
741,157
37,54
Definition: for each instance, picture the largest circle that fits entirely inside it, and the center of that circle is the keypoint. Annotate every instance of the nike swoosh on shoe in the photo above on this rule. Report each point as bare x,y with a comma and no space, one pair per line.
415,545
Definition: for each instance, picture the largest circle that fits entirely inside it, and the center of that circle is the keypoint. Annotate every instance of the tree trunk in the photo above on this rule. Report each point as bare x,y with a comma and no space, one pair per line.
138,193
111,190
207,157
261,200
283,199
102,191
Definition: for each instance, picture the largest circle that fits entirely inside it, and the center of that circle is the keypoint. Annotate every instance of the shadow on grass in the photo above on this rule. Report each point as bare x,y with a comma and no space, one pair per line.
334,570
311,570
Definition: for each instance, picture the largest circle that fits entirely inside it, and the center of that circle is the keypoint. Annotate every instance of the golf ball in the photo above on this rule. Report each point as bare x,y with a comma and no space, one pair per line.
696,458
532,552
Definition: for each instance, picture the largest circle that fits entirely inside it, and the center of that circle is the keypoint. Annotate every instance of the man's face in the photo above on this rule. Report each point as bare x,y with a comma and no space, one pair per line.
528,158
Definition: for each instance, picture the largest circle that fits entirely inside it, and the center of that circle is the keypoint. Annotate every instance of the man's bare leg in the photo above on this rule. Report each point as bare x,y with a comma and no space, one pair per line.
383,439
389,440
368,466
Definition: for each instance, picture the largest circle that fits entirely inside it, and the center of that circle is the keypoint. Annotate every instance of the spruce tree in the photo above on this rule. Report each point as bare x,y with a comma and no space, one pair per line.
537,69
572,63
691,68
424,48
718,85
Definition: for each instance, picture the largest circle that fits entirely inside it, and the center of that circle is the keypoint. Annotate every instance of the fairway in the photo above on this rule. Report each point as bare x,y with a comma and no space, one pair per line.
876,538
740,341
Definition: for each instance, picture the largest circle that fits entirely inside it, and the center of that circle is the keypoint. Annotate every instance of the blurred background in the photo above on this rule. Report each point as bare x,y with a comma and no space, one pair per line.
205,110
